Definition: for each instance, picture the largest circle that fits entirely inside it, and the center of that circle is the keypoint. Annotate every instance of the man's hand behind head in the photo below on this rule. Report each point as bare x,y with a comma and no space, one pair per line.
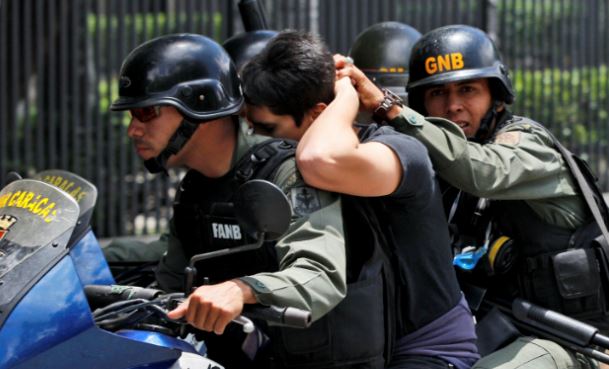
370,95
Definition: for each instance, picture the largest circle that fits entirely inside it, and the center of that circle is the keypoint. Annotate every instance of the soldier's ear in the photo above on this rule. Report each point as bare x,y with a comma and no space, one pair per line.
499,106
318,109
313,113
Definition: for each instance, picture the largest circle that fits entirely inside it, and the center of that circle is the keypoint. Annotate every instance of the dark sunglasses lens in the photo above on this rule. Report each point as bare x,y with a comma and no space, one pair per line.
145,114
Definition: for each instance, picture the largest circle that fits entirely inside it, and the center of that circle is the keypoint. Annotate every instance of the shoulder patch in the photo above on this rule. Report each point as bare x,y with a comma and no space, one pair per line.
508,138
291,181
305,200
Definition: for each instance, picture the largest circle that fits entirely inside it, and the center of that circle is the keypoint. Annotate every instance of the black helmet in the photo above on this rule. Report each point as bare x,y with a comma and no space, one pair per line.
456,53
244,46
382,52
190,72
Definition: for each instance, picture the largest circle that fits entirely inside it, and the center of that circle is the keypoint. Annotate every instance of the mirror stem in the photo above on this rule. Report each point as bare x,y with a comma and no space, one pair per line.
190,271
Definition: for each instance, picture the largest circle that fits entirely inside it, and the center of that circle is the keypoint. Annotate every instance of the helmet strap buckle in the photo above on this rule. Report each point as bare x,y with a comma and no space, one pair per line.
487,123
175,144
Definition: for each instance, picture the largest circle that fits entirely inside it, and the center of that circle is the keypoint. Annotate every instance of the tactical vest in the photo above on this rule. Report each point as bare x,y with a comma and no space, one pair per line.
353,334
554,267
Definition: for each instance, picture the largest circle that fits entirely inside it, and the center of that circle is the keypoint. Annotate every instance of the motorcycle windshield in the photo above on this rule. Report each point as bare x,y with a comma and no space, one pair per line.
85,250
36,221
83,191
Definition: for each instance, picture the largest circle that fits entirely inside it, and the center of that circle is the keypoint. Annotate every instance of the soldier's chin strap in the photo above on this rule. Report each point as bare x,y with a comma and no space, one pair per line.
486,123
175,144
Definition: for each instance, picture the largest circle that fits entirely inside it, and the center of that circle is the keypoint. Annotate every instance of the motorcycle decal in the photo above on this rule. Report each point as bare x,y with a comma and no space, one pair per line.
6,222
76,191
226,231
305,200
32,202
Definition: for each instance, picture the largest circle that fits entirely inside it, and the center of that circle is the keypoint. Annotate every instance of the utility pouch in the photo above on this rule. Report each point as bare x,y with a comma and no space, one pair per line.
578,280
576,273
568,282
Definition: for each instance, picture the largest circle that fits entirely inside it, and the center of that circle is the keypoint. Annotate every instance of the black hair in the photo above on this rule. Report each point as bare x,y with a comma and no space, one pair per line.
293,73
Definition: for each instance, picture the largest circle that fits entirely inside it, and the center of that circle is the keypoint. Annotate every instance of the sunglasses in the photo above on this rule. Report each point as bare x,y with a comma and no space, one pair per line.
146,113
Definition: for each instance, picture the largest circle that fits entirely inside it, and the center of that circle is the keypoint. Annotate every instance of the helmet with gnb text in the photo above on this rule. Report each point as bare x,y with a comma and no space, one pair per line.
457,53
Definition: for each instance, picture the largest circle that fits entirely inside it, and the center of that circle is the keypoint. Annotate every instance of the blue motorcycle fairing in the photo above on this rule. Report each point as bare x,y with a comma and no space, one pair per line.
45,319
90,263
157,339
98,349
52,311
52,327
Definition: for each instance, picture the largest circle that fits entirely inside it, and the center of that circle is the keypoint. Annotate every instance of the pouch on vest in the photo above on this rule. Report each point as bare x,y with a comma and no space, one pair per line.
587,238
568,282
578,280
550,272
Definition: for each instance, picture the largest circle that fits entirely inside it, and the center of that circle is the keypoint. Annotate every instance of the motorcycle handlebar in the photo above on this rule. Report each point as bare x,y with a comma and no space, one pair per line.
103,295
284,316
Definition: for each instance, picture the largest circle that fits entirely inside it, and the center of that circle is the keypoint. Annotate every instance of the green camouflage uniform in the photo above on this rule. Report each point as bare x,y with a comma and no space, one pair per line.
533,353
311,254
520,163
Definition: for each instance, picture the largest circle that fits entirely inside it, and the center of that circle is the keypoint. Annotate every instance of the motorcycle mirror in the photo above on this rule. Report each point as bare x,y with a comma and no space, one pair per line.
12,177
83,191
262,208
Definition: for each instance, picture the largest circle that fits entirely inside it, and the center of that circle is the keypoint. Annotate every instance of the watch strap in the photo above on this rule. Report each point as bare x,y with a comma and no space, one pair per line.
390,99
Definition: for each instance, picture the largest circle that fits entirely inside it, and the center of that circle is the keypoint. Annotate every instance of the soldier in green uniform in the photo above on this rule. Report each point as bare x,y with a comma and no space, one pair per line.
458,81
241,48
184,98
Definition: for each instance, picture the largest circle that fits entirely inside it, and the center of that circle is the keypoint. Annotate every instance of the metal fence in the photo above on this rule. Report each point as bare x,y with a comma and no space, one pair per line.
59,61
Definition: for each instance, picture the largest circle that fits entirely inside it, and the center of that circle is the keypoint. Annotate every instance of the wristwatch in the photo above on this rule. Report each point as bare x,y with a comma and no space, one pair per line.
390,99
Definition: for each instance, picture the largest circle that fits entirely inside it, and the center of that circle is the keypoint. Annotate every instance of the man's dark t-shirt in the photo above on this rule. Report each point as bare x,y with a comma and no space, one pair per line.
414,218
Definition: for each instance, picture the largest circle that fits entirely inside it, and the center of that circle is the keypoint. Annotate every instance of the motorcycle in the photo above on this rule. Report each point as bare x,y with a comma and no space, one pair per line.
58,307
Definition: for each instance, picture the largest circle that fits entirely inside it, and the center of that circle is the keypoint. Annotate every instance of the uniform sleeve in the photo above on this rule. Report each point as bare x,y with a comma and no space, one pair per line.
134,250
170,270
525,166
311,255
